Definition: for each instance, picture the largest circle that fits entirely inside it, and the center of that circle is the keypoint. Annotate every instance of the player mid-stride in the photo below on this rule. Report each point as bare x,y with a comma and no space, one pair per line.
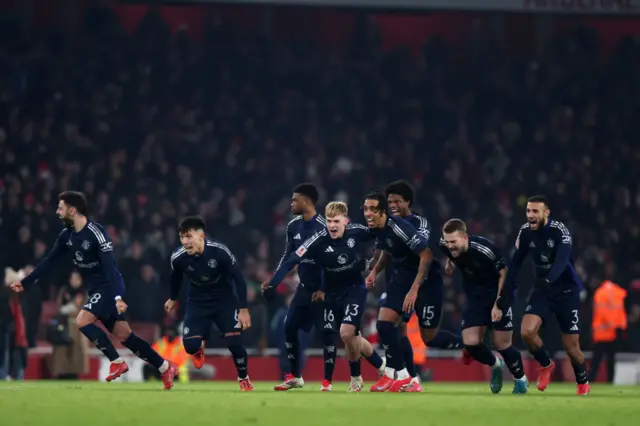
484,272
91,250
557,290
217,294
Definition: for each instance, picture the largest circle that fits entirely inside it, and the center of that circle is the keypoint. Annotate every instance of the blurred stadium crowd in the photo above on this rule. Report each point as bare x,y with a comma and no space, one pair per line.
155,126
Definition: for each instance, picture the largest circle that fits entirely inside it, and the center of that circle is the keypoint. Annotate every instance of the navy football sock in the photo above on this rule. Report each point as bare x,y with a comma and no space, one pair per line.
580,370
101,340
374,359
390,339
482,354
407,353
239,354
329,354
192,345
354,368
143,350
513,359
541,356
445,340
292,346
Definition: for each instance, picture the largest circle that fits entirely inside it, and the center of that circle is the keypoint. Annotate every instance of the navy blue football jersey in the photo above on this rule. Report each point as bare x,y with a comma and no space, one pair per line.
551,251
298,231
480,265
339,258
213,274
404,242
91,251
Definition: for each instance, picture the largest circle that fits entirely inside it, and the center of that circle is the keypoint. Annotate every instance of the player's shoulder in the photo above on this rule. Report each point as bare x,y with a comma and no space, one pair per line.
97,230
560,230
293,222
357,227
558,226
524,229
419,221
64,233
396,222
178,254
218,247
320,220
482,246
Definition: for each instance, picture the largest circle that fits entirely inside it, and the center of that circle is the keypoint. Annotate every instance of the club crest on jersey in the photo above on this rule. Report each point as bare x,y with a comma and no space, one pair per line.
86,244
301,251
389,242
551,243
342,259
351,242
79,256
212,263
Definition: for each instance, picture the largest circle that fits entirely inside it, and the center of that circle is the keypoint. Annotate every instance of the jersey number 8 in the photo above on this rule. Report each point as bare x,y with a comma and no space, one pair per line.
93,300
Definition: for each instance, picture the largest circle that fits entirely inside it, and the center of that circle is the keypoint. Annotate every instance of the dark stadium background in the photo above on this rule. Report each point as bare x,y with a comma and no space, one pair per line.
162,111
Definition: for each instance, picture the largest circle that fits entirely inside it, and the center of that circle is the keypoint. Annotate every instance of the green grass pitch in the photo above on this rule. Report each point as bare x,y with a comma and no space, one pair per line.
221,403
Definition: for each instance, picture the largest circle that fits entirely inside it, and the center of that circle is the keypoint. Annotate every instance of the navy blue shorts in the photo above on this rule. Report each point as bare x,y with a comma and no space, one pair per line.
428,306
199,316
346,308
102,304
303,314
477,313
565,307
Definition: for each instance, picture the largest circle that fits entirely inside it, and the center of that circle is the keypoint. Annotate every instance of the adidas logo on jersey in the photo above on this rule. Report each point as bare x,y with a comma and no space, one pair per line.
297,237
329,250
347,318
509,325
532,244
574,328
328,326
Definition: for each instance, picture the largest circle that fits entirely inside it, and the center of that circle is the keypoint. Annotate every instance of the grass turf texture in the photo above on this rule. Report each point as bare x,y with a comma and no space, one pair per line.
222,403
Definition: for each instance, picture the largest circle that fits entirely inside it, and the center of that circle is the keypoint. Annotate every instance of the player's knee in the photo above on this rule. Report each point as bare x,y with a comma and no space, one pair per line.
403,329
192,345
234,341
329,338
572,347
290,329
428,334
502,342
84,318
470,340
528,333
121,331
385,328
348,333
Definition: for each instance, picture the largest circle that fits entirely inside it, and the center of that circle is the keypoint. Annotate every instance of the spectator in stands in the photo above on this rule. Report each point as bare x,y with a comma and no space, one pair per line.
69,359
13,337
120,118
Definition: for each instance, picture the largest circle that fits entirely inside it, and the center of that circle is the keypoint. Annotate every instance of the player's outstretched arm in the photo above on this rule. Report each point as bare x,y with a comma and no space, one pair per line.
522,246
175,280
288,246
295,258
45,265
563,253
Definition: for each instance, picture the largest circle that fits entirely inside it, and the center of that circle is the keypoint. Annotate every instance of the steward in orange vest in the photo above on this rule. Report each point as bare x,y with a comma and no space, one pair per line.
609,320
